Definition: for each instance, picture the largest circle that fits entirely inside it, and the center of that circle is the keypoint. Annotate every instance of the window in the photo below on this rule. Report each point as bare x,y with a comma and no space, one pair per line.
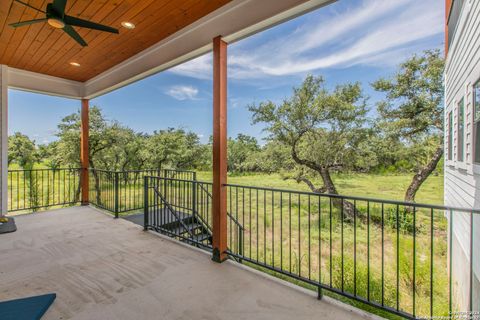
460,130
476,120
450,135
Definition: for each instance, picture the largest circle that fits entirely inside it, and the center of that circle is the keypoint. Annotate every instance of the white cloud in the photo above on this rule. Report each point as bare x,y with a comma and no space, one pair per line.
182,92
200,68
377,32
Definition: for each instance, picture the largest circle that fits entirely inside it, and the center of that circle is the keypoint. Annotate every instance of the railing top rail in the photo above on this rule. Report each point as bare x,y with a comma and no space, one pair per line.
180,180
123,171
42,169
141,170
179,170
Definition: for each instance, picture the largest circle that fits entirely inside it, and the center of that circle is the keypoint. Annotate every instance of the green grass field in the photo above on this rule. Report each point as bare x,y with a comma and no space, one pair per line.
391,187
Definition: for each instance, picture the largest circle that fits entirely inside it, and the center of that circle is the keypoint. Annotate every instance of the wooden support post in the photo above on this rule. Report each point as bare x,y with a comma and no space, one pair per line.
219,191
84,151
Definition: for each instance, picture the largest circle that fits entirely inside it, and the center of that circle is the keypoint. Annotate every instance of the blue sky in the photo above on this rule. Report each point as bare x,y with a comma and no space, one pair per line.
351,40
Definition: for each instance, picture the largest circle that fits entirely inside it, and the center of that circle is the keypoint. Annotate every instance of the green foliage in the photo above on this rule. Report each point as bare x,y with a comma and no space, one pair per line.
413,111
242,153
322,129
21,150
413,107
116,147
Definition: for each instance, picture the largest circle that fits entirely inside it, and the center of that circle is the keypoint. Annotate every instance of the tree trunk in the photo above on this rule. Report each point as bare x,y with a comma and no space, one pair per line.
98,195
327,180
422,175
349,209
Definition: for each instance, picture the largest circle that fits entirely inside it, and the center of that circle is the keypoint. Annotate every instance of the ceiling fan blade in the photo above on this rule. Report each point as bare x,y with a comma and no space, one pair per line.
27,5
88,24
59,6
26,23
72,33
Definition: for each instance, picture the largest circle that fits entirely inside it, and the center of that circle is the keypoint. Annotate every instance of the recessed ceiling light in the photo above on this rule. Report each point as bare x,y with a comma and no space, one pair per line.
128,25
75,64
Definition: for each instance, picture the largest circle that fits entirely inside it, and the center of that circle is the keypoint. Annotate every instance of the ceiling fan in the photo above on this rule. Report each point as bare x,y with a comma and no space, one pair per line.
56,17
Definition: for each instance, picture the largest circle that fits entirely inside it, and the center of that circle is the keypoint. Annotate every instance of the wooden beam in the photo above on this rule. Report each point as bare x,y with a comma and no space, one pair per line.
448,7
219,191
84,150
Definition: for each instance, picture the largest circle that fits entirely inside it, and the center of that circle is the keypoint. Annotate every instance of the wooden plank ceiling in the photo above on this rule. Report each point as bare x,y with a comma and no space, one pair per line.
41,48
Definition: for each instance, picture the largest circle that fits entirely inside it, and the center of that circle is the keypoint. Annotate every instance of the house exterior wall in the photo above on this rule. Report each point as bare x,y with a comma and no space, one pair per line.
462,174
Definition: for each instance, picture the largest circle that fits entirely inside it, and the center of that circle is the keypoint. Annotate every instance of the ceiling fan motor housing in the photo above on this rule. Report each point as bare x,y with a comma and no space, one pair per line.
54,18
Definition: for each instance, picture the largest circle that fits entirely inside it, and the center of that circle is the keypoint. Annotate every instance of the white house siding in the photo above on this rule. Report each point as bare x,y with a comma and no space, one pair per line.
462,179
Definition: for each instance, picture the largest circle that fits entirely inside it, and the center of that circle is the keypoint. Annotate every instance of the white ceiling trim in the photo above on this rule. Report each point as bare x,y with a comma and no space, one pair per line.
41,83
234,21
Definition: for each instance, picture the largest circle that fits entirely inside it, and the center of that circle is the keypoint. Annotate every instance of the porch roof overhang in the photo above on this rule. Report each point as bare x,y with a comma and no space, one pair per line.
234,20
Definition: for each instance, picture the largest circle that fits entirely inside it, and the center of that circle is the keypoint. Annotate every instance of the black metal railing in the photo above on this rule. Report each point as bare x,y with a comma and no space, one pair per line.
179,208
390,255
122,191
172,201
32,190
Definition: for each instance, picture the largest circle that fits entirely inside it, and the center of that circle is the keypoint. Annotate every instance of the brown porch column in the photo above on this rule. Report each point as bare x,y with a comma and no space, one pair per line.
84,151
219,192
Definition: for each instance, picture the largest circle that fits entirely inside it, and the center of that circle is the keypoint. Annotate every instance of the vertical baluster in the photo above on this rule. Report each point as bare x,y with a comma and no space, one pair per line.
281,230
331,254
414,261
299,239
431,263
341,237
258,240
265,226
320,292
398,259
64,184
309,244
273,229
145,204
230,220
368,250
236,218
383,256
250,221
354,247
290,230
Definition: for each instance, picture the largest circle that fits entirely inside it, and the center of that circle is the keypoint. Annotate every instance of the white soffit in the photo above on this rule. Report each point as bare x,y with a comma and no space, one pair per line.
41,83
234,21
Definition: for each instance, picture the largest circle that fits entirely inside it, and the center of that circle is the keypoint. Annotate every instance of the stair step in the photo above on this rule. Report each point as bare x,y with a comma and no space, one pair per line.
180,229
201,237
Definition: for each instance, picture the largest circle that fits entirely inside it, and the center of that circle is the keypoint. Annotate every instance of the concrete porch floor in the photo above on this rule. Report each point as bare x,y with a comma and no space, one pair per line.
103,268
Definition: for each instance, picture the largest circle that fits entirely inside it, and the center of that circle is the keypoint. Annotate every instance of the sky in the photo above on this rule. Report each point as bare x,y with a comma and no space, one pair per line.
348,41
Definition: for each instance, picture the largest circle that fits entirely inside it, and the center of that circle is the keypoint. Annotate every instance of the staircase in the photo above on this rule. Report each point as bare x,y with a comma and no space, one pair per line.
187,227
182,209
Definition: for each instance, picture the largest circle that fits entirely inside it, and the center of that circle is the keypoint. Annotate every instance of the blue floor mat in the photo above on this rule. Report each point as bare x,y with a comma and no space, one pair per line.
31,308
